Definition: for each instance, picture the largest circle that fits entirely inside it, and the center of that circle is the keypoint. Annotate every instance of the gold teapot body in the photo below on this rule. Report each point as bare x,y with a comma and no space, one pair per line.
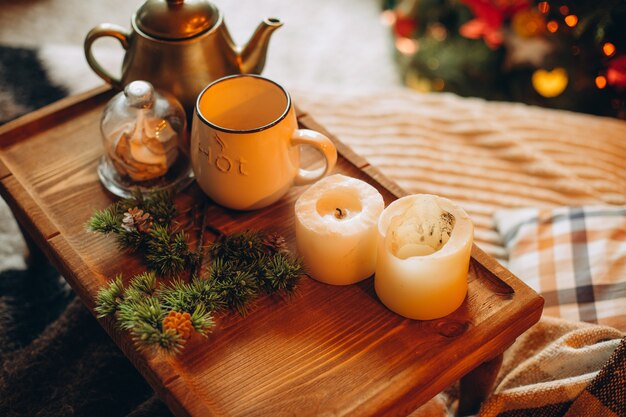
180,46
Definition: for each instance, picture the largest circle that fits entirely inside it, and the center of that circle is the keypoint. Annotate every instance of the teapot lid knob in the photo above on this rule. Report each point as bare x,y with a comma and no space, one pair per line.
176,19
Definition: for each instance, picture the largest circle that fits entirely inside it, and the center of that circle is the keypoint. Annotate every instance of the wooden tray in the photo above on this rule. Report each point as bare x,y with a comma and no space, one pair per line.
327,351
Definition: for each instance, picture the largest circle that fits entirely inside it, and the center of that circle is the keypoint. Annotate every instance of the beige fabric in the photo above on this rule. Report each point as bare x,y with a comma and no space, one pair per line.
483,155
551,363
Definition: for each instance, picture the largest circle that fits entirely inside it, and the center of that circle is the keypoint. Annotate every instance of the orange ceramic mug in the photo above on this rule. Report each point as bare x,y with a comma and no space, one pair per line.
245,143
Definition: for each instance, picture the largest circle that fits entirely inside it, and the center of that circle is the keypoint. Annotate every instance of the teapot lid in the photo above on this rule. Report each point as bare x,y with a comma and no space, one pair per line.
176,19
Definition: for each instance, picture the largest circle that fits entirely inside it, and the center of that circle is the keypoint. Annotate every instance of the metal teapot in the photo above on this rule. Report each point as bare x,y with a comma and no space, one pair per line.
180,46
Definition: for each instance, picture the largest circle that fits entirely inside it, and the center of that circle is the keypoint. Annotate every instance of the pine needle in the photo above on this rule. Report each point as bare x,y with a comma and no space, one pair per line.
167,255
281,274
201,320
144,283
109,297
105,221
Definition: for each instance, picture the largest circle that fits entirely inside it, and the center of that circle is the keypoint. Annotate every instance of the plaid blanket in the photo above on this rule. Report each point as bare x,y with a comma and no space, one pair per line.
575,257
606,395
561,368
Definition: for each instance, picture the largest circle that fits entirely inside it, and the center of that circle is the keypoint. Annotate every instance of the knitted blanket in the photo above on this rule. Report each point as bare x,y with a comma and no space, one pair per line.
561,368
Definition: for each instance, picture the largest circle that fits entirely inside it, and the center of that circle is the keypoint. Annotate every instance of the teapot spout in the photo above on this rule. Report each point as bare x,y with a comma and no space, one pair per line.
253,54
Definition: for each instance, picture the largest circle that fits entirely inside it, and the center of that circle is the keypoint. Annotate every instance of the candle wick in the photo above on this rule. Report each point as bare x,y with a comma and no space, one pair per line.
339,214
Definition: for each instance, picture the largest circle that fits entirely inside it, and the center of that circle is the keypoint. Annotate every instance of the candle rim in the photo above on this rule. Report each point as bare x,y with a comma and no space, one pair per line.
463,227
368,197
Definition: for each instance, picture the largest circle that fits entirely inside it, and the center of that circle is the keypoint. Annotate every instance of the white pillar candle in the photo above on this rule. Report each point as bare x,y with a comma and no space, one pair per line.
336,221
424,249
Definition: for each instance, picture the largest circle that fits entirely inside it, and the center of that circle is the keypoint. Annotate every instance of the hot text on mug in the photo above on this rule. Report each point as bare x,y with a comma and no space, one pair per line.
221,161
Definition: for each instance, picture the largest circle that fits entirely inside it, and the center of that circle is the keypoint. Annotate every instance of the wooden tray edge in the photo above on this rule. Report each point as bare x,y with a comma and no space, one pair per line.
42,118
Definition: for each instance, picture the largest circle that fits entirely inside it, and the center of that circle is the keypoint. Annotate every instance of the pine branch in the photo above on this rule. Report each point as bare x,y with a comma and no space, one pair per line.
244,247
144,283
281,274
179,296
170,342
141,308
236,286
187,297
169,255
105,221
133,313
109,298
147,337
208,292
159,204
139,234
242,266
201,320
131,241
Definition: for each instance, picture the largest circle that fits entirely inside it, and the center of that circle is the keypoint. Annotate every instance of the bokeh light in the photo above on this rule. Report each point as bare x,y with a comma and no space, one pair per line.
552,26
406,46
608,48
571,20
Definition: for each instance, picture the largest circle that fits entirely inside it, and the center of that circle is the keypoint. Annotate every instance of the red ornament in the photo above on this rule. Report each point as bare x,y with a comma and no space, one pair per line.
489,18
404,26
616,73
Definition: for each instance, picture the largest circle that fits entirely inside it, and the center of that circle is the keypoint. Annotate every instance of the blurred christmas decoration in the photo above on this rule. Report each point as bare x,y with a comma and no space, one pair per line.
550,83
560,54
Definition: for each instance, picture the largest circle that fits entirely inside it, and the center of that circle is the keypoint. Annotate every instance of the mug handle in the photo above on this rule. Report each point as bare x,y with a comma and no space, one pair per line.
321,143
102,30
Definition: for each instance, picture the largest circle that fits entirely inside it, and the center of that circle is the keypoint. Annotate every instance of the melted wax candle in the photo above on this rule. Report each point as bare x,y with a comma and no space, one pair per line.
336,234
424,249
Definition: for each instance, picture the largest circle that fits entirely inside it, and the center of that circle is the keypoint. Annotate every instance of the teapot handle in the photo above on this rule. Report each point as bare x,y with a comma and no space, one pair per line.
102,30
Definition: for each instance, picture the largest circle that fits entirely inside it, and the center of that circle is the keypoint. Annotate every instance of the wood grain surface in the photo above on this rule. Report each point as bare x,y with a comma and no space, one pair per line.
326,351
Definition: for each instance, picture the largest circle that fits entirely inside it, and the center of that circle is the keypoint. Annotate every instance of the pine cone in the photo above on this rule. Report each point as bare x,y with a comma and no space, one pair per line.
136,219
276,243
178,322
